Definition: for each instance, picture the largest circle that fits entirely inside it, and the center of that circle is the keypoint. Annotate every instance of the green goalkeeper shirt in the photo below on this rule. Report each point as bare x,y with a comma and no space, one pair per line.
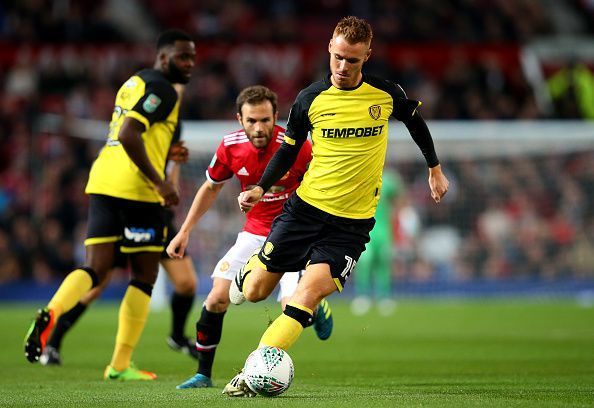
391,188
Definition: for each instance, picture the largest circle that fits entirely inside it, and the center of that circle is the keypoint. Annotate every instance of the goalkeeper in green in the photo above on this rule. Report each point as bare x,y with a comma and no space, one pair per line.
373,279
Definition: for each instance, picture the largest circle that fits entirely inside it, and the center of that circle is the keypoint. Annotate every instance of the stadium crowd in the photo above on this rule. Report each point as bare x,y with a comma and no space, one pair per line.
286,20
505,218
524,217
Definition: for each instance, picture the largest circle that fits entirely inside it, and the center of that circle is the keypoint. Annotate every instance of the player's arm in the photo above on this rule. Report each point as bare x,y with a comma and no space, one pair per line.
438,182
406,110
203,200
130,136
155,105
283,159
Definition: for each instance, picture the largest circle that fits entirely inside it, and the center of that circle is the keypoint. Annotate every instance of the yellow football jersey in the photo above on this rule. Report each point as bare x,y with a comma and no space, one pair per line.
349,132
151,99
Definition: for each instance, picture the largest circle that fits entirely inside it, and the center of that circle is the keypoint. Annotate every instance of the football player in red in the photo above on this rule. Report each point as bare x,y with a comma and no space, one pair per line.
245,154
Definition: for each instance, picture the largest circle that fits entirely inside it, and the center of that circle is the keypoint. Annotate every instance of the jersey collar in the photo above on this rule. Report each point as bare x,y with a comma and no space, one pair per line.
329,81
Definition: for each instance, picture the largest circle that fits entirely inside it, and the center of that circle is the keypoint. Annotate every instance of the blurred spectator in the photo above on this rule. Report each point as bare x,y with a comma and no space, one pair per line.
572,90
58,21
10,268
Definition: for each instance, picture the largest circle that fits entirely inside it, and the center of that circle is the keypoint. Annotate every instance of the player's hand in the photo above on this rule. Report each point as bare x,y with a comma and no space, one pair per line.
249,198
177,246
438,183
178,152
167,190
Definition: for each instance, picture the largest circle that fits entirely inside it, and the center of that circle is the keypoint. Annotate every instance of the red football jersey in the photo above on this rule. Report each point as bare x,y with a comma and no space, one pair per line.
237,155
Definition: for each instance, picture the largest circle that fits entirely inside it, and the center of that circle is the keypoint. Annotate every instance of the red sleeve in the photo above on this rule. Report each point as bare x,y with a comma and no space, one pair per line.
303,159
219,169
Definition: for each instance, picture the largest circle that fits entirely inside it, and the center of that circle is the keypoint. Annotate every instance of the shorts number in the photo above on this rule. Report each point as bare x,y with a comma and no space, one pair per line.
349,266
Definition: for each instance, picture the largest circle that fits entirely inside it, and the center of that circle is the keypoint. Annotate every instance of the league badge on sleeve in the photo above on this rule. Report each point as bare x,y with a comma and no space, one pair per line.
151,103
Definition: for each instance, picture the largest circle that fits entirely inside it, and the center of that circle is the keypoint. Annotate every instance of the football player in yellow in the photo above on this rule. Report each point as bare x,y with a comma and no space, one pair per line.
128,193
181,273
326,223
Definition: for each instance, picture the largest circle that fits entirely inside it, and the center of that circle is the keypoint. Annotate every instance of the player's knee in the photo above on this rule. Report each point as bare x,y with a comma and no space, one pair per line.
96,279
217,302
186,286
99,264
147,276
253,293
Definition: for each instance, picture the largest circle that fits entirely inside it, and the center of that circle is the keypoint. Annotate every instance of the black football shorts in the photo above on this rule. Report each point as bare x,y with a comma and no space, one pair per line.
137,226
303,234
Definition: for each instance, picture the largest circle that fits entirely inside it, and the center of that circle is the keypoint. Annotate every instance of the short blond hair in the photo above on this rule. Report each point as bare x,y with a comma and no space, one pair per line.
354,30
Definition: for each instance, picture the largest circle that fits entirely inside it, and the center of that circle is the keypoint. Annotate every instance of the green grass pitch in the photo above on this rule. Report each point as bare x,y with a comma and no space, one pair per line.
429,353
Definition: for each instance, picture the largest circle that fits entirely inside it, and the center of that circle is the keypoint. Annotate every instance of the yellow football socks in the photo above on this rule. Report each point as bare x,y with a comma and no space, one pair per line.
134,311
73,287
287,328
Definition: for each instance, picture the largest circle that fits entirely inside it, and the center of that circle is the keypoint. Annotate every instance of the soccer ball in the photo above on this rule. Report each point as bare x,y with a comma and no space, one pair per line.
268,371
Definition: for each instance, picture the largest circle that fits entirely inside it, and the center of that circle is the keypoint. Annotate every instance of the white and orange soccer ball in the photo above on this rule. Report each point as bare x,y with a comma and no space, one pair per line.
268,371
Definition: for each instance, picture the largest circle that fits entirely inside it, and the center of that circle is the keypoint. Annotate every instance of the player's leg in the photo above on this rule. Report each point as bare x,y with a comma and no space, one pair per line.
285,249
99,260
330,246
73,287
316,284
144,226
51,353
132,317
182,274
209,328
102,232
333,255
210,324
323,322
383,277
257,282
